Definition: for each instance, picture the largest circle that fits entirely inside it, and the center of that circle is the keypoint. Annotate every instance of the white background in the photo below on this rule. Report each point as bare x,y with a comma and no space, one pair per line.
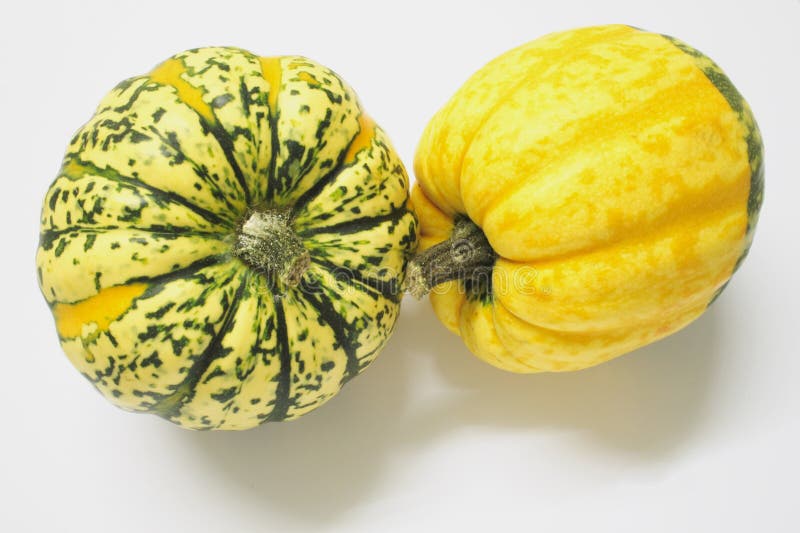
699,432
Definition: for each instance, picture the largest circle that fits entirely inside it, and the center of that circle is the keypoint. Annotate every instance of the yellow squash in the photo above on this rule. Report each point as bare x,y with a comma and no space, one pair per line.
224,243
583,195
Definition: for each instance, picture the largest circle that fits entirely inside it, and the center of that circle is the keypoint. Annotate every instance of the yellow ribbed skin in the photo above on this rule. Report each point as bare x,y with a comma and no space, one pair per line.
616,173
139,232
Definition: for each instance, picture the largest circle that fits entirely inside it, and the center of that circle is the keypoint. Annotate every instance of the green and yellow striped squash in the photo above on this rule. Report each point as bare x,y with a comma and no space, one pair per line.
224,243
594,190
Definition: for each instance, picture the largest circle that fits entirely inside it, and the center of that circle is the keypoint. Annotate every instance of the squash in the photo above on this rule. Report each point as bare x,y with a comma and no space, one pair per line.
225,241
583,195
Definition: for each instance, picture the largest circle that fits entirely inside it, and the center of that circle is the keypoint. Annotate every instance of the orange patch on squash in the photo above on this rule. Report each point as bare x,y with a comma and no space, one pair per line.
102,309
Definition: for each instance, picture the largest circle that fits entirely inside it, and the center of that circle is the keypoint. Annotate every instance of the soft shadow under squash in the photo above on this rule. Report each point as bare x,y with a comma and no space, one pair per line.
642,407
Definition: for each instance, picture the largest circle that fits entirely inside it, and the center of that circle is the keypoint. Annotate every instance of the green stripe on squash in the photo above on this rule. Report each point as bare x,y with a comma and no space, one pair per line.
755,145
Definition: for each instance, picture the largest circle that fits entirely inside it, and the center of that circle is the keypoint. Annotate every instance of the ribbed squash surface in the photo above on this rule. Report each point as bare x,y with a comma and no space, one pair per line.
616,173
137,230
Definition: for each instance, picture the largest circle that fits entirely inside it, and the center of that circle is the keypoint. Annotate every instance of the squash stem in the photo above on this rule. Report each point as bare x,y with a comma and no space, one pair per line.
267,243
466,255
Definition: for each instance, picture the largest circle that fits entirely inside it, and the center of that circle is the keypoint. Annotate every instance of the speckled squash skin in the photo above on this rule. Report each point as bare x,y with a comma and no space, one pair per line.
135,258
618,176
